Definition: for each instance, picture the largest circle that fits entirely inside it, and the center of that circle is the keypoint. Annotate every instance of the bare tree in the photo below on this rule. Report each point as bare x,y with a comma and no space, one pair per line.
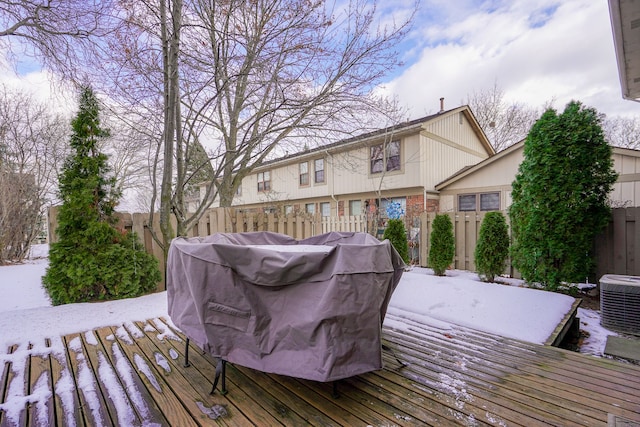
503,123
622,131
32,149
56,32
244,79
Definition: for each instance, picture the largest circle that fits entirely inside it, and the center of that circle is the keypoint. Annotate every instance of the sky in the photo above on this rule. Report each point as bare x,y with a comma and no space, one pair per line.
538,52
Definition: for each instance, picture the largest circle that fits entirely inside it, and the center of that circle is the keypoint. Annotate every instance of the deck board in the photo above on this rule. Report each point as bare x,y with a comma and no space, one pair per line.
134,374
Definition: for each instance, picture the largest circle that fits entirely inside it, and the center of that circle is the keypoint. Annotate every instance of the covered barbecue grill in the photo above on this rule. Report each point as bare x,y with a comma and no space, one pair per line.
310,309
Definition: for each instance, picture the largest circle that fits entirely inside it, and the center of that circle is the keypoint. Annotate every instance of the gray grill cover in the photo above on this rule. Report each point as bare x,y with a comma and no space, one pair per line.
312,315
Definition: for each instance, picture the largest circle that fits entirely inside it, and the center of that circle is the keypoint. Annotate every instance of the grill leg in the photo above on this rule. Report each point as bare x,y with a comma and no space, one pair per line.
221,371
186,354
335,394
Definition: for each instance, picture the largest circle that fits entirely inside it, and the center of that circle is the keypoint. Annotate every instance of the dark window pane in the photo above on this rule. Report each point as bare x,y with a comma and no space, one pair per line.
490,201
467,202
319,175
377,158
393,156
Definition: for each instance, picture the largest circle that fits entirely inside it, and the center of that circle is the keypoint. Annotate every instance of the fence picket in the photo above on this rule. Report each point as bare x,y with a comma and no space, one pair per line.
616,248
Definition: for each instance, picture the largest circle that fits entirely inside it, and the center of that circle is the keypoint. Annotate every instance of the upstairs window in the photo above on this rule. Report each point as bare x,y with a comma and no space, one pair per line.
319,170
377,158
393,156
304,173
385,157
264,181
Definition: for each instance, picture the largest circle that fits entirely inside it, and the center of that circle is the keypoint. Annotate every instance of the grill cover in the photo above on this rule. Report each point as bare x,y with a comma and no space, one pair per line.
266,301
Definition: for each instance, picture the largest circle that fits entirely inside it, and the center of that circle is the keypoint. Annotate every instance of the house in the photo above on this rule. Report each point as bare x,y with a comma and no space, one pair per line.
625,16
487,185
360,175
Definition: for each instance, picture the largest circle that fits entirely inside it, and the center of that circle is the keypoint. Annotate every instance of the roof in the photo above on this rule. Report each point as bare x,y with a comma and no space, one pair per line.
468,170
625,23
398,129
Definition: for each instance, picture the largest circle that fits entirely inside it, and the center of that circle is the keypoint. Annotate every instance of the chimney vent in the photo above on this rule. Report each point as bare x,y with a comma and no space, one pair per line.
441,105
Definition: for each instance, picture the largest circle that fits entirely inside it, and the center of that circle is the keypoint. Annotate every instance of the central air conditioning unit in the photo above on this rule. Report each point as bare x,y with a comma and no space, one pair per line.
620,303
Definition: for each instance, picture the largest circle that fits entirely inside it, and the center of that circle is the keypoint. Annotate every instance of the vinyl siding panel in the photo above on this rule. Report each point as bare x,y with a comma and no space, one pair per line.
500,174
449,145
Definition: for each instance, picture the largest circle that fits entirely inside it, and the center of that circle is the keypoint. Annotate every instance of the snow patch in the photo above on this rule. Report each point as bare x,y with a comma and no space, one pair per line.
123,335
162,362
173,354
109,379
144,368
90,338
165,331
213,412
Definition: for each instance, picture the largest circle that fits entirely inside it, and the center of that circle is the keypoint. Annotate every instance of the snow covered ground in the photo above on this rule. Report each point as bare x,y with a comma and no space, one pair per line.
26,314
27,318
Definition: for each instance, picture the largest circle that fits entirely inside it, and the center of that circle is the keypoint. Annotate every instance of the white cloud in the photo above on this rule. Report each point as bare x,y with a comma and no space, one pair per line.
535,51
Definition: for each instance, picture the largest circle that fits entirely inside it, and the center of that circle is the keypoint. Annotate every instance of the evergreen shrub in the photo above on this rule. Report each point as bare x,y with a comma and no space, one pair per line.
442,246
395,231
92,260
560,196
492,248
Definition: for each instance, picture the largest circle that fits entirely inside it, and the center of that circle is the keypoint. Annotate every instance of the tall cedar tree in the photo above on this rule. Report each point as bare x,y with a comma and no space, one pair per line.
92,260
442,247
560,196
493,246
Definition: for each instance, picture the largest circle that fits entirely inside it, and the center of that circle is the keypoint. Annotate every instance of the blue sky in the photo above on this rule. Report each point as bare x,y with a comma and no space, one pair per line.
537,52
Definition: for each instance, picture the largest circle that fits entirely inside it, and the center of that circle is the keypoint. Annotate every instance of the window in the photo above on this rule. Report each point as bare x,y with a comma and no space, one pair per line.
355,207
310,208
288,209
490,201
264,181
325,209
304,173
393,156
377,159
385,157
319,170
467,202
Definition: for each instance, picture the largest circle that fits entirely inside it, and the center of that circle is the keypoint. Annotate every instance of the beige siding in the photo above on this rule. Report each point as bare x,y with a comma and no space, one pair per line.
498,175
457,129
449,144
626,192
431,151
443,161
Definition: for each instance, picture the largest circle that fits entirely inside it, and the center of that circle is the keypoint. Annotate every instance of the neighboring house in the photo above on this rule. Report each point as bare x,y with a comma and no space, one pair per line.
487,185
362,174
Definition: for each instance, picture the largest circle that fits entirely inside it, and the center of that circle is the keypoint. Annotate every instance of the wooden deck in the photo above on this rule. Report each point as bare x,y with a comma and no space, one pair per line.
134,375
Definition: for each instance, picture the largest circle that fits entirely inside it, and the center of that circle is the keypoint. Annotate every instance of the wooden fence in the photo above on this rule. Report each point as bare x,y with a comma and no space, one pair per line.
466,229
229,220
615,250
